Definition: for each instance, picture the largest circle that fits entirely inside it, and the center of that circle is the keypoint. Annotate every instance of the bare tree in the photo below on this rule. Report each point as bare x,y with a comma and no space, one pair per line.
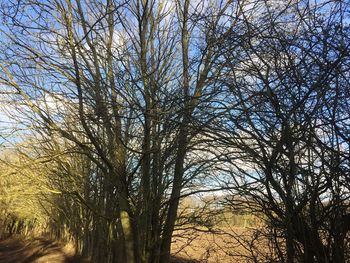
122,83
286,79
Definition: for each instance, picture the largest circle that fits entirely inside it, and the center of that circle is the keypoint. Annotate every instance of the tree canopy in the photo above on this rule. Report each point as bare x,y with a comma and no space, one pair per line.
116,111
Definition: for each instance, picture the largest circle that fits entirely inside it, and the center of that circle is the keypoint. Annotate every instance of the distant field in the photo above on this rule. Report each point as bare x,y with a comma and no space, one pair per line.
226,245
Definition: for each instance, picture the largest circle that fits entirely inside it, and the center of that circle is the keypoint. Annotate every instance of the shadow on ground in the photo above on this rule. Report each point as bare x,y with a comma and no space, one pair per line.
41,250
38,250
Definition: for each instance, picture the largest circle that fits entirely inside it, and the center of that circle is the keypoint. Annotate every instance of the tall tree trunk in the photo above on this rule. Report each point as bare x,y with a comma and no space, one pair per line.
174,198
128,236
181,146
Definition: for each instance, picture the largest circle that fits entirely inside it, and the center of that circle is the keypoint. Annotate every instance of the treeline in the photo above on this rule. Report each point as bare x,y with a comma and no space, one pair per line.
127,107
21,210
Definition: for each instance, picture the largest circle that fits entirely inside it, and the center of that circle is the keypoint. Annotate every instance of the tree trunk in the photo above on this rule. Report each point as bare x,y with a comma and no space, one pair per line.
174,198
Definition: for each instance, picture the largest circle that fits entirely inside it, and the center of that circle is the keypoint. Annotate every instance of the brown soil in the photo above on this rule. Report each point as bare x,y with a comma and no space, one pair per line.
225,246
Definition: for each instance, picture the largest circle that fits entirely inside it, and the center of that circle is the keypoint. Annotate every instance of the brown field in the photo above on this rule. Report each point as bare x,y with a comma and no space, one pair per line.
221,246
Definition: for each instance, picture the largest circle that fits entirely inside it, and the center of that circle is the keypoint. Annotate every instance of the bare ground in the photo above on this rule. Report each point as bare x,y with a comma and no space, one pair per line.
42,250
224,246
189,247
35,250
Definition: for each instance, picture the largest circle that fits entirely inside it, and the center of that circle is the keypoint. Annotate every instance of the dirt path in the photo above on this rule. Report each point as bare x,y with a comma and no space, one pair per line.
41,250
36,250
